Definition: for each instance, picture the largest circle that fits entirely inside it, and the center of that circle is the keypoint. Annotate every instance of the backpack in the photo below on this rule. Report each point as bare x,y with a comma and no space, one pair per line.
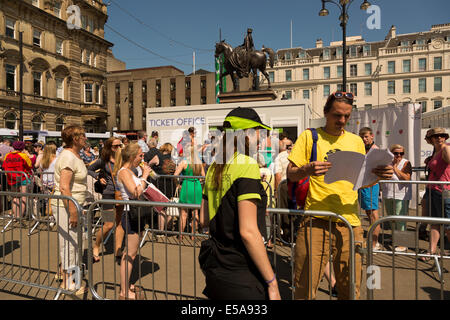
168,166
299,190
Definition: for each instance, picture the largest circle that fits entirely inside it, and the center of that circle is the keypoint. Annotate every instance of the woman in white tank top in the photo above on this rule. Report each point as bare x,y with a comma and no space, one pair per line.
396,196
131,188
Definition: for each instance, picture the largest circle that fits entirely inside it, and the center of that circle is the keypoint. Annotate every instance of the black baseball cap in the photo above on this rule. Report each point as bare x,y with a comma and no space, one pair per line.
245,118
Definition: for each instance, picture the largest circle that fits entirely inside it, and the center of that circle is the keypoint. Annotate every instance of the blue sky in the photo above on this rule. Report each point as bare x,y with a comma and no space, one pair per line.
175,29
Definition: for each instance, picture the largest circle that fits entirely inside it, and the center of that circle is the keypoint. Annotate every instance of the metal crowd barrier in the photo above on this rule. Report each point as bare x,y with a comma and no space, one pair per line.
105,275
409,238
41,255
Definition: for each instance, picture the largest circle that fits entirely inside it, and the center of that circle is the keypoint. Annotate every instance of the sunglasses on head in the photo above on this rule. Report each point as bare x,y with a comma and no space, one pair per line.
340,94
398,153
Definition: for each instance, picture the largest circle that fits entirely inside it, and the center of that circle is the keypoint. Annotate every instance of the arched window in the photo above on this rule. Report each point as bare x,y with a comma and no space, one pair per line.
10,121
36,123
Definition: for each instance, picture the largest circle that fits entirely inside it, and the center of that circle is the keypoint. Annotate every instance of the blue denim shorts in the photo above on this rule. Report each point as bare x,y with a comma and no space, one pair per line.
368,197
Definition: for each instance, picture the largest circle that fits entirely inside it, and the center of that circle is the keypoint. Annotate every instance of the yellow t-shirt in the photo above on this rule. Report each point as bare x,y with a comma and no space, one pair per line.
78,184
337,197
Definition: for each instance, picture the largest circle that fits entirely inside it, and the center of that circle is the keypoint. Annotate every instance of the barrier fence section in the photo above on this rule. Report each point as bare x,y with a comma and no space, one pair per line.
46,260
401,232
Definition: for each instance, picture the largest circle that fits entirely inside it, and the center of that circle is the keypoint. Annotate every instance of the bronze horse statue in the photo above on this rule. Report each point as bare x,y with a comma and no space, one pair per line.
237,61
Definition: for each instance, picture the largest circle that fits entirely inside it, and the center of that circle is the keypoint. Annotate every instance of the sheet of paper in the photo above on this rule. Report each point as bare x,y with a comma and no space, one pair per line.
374,158
345,165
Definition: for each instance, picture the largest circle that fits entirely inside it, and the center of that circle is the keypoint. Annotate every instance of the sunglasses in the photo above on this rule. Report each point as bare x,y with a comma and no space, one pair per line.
439,135
340,94
289,146
116,145
398,153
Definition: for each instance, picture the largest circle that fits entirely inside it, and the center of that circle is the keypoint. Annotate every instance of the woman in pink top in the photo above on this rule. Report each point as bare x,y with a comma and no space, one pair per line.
439,167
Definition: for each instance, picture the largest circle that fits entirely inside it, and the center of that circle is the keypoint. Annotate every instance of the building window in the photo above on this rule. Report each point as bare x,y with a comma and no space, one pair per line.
305,94
88,57
158,103
57,9
10,28
353,51
288,75
422,64
391,87
368,106
340,87
391,66
10,77
144,105
438,84
172,86
97,93
36,123
288,95
353,70
37,79
158,87
287,55
326,54
59,47
172,102
367,88
188,101
305,74
407,86
272,76
339,71
10,121
368,69
91,24
424,106
422,85
437,104
354,88
437,63
35,3
144,91
326,72
59,123
339,53
406,65
59,88
203,84
84,22
88,92
203,100
326,90
366,50
302,54
187,84
37,37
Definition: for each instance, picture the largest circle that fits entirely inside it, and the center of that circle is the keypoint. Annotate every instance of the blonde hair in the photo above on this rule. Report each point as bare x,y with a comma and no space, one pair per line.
125,155
193,159
396,146
166,147
48,156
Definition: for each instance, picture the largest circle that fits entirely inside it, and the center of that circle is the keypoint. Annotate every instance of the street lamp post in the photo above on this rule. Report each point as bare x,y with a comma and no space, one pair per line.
343,5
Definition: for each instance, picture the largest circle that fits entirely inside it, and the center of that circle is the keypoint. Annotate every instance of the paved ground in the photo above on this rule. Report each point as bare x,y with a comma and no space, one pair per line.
169,271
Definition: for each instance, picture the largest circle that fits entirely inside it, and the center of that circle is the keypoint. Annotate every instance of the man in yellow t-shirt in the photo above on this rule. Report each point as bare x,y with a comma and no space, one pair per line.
337,197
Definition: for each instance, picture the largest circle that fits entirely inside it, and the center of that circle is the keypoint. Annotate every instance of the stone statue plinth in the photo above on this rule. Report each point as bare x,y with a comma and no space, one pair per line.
247,96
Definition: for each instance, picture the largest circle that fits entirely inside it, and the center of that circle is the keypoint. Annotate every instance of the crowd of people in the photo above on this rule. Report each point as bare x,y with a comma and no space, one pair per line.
233,198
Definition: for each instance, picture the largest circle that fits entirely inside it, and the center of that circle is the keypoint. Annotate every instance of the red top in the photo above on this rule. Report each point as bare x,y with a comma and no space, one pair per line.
439,171
17,161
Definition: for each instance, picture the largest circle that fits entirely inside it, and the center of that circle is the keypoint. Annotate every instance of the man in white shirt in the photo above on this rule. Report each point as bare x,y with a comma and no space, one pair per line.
142,141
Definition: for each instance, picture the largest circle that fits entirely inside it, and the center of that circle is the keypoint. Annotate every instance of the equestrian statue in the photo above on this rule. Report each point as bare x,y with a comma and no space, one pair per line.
242,60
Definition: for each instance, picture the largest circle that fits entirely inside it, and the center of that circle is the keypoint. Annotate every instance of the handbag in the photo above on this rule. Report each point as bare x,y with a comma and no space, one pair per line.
298,191
152,193
173,211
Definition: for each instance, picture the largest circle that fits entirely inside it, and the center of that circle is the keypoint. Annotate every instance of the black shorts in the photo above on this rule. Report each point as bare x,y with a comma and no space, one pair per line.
132,226
224,284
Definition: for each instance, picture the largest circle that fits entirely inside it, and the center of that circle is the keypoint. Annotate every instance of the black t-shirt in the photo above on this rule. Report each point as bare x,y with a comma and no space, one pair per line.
151,154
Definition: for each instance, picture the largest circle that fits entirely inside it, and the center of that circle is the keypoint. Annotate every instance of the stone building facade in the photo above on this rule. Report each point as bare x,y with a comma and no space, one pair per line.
412,67
64,68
